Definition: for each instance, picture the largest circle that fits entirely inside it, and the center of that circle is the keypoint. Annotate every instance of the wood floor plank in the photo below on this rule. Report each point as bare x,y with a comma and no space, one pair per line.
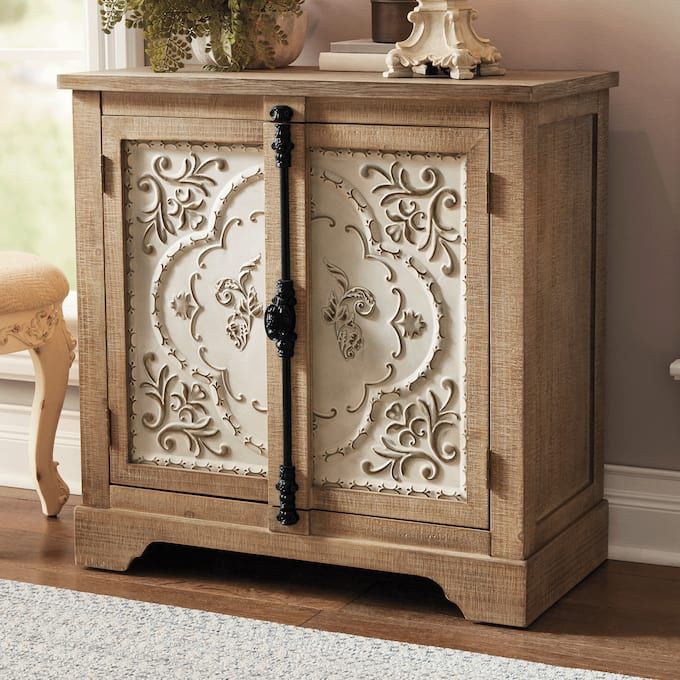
570,634
624,618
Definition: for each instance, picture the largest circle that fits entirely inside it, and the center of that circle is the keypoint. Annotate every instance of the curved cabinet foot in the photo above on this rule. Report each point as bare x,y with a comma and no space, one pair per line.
102,545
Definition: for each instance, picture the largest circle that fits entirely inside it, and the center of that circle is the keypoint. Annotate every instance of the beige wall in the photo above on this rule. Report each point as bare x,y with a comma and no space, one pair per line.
640,40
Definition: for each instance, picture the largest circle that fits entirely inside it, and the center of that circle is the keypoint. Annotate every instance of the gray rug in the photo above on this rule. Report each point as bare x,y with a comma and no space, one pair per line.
54,633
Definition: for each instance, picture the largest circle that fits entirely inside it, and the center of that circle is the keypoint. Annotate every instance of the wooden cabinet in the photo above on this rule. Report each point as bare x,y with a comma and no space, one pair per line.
442,410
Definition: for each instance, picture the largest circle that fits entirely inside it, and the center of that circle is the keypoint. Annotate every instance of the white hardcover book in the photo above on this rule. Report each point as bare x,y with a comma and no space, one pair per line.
361,46
338,61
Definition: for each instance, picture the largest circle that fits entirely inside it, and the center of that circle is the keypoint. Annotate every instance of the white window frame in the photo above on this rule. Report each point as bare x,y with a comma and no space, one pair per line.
122,49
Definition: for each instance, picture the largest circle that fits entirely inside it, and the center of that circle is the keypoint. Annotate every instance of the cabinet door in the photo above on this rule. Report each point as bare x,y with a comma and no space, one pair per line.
185,260
399,307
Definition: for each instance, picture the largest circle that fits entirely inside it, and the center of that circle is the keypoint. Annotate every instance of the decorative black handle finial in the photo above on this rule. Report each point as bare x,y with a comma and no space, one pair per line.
287,487
279,320
282,144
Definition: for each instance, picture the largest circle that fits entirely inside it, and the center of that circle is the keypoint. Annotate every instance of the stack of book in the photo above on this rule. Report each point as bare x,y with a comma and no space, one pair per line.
355,55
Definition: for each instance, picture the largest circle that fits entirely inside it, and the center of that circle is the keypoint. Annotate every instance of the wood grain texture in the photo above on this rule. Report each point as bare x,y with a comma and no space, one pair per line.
599,286
547,468
556,569
475,145
181,106
116,129
189,505
318,522
473,114
566,108
485,589
567,407
94,435
519,86
514,150
558,346
620,619
423,534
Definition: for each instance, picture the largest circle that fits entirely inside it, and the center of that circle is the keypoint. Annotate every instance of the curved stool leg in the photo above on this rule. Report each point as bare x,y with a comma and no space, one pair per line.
52,361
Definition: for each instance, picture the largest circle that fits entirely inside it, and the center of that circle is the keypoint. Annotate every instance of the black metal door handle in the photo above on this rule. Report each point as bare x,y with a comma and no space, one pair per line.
279,318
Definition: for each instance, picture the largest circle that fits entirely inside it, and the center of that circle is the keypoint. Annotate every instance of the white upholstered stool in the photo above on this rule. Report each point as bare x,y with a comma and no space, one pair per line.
31,294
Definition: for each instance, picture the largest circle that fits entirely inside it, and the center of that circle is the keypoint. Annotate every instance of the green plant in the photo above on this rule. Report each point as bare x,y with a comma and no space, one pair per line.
238,31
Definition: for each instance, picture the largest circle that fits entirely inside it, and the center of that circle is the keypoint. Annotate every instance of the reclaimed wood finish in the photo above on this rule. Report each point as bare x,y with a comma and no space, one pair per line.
548,224
533,522
434,113
519,86
181,106
508,592
94,414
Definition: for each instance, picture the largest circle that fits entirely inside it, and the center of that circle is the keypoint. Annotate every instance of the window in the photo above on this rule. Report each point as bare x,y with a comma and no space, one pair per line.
38,39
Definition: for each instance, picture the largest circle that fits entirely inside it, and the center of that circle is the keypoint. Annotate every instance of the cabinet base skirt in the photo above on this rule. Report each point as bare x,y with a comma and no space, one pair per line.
486,589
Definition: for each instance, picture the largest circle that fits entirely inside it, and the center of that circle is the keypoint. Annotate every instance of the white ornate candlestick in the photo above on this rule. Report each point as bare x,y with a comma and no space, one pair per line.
443,37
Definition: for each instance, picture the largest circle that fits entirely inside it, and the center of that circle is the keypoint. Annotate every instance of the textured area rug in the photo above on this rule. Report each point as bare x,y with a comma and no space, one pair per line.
54,633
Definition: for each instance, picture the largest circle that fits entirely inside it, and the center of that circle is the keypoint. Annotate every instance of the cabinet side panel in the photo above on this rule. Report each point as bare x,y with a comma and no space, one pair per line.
91,292
567,350
560,364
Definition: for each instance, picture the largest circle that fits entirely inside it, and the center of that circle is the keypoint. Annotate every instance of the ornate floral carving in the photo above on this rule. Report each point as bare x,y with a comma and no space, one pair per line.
184,305
417,212
35,332
219,441
176,198
182,417
414,438
71,344
374,250
241,295
411,323
342,310
408,436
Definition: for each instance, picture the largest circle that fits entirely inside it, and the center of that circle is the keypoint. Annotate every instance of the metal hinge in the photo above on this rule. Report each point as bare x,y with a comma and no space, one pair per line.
489,460
109,426
103,171
489,192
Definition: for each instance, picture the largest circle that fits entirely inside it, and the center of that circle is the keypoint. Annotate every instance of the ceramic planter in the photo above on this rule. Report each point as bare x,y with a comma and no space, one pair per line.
390,22
293,25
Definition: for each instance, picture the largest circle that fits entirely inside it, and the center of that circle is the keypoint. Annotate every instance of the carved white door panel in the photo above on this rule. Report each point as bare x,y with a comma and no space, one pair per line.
399,306
187,215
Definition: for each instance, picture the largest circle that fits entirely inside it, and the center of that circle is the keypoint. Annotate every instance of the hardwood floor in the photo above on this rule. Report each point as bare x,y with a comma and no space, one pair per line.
624,618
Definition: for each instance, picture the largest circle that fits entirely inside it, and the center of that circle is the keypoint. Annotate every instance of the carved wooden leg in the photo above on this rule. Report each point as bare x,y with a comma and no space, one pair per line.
52,361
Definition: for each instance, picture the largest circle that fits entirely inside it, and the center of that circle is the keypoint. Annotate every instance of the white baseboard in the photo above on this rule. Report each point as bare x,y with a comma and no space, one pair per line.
15,468
644,514
644,504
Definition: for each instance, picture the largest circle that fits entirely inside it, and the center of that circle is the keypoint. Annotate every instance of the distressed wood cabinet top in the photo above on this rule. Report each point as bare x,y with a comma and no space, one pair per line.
517,86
